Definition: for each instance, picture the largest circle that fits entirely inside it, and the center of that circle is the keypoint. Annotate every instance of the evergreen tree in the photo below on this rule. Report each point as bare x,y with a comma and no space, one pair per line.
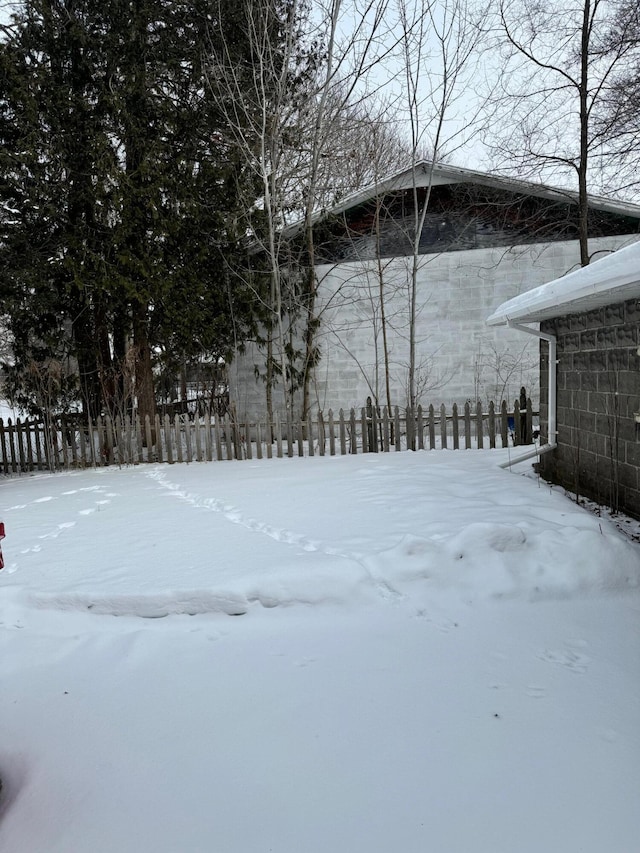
119,195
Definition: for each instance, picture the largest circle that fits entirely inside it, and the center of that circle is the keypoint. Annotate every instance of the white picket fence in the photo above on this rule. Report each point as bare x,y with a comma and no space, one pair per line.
68,443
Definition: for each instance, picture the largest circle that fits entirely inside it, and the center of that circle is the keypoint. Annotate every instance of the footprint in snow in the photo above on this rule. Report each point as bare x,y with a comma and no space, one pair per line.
571,660
86,511
55,533
42,500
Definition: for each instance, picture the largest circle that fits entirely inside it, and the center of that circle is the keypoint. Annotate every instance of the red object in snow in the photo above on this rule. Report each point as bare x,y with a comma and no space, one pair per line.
1,538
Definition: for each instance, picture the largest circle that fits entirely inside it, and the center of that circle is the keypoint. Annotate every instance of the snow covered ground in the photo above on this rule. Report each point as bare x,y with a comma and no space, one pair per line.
406,652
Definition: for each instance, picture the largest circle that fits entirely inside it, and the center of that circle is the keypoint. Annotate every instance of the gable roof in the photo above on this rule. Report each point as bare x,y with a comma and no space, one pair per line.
614,278
442,174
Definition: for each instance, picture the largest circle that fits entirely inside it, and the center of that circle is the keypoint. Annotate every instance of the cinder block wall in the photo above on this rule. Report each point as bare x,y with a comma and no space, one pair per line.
598,374
459,357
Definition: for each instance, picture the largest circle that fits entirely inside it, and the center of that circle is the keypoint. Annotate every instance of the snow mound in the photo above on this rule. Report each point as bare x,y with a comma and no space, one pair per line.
332,580
488,560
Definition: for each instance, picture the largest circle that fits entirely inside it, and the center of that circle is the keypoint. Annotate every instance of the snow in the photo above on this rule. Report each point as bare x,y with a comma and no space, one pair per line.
412,652
614,278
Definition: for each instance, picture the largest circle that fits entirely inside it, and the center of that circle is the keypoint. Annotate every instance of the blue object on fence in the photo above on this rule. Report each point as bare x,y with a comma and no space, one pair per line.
512,424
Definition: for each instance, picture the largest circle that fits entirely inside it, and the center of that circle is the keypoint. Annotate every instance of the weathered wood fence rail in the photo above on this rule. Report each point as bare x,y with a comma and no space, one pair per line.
28,445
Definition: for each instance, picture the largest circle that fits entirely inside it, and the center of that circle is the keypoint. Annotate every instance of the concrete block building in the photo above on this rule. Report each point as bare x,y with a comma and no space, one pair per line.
483,240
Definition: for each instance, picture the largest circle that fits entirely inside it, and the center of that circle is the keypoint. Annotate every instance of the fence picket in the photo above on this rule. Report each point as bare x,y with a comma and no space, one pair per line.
35,445
467,425
353,438
365,430
36,437
385,430
3,446
443,427
492,425
228,438
177,431
148,438
432,428
332,435
504,424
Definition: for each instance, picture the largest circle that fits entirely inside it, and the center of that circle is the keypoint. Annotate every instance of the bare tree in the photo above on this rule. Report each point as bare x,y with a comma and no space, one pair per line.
555,81
432,88
618,122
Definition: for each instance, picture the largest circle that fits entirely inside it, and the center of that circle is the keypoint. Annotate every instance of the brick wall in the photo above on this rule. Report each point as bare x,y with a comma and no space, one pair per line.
598,454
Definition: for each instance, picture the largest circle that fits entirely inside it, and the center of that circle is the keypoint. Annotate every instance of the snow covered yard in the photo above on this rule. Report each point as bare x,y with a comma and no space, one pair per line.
403,652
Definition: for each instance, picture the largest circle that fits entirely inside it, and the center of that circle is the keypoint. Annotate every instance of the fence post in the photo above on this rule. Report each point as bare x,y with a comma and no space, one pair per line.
467,425
443,427
321,436
492,425
385,430
396,419
365,430
454,427
375,429
479,426
343,437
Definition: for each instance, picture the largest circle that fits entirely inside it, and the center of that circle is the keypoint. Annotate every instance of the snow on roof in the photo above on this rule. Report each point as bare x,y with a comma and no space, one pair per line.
615,278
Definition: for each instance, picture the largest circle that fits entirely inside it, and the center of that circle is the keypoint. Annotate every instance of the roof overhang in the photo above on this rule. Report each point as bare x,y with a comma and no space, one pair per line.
426,173
615,278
